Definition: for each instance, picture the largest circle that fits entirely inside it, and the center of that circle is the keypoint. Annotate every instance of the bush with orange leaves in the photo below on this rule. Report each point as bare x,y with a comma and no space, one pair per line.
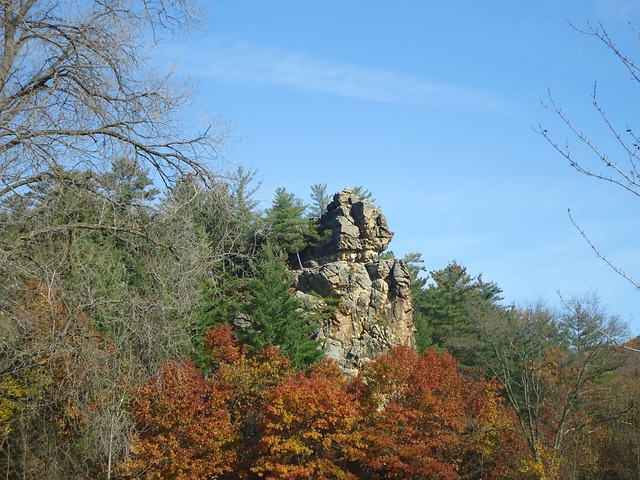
185,429
425,419
406,416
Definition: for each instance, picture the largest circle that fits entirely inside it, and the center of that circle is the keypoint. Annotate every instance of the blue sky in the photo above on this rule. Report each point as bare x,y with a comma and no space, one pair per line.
432,106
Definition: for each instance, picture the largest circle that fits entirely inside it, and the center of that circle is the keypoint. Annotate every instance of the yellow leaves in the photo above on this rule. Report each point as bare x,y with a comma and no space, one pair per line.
13,393
310,427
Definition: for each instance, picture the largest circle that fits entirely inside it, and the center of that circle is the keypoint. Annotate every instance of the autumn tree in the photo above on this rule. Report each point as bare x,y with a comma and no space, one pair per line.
615,439
253,416
53,394
248,381
185,429
422,416
191,425
549,366
311,427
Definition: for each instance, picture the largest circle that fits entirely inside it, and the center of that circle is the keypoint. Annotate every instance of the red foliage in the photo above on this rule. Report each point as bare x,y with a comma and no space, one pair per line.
185,427
424,416
406,416
415,415
222,346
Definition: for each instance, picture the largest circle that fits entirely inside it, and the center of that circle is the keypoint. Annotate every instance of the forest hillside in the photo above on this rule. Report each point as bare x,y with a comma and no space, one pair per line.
156,323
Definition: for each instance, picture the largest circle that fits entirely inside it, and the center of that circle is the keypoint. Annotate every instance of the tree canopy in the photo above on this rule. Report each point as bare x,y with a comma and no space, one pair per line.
149,327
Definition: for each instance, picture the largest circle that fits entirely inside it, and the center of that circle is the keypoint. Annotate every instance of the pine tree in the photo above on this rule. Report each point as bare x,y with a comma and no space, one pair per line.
289,230
450,308
363,193
276,316
320,200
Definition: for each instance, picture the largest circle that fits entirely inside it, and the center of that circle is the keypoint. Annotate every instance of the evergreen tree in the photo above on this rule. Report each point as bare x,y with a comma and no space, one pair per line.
320,200
128,184
243,186
363,193
274,315
448,311
424,331
289,230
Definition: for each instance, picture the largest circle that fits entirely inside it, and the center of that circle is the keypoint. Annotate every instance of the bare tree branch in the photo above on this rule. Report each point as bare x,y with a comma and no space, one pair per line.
620,169
602,257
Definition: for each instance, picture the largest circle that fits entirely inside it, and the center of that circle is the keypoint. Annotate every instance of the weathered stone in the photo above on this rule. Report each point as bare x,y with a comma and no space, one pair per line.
358,231
242,321
374,296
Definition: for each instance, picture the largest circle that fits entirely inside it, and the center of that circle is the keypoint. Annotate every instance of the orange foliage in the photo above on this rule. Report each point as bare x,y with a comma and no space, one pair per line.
406,416
185,428
247,381
192,427
424,417
310,428
221,345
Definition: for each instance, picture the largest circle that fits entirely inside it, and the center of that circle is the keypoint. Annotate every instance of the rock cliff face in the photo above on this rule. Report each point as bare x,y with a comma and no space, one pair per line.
373,296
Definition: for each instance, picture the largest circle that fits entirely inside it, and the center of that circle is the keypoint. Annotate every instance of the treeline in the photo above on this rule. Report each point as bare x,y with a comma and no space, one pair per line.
119,359
148,328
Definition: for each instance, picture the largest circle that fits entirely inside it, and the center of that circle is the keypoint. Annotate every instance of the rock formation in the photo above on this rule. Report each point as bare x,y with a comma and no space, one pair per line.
373,296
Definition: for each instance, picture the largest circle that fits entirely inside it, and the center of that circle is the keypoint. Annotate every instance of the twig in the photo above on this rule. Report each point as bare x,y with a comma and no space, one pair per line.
602,257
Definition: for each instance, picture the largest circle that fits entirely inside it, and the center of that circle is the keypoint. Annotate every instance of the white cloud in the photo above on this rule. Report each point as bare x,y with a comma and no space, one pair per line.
247,64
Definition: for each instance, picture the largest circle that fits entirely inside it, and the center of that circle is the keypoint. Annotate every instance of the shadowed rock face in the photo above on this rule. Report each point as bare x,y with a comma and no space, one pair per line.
374,296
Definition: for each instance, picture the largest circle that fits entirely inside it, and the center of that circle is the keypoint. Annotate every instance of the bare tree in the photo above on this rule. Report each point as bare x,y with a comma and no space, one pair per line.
620,169
77,95
75,89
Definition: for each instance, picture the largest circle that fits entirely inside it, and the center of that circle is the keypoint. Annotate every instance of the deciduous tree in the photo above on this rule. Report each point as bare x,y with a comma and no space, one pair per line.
550,365
185,429
311,428
422,416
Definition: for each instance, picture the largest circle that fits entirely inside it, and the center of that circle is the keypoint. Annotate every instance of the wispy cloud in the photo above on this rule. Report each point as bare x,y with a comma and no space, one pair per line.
248,64
618,9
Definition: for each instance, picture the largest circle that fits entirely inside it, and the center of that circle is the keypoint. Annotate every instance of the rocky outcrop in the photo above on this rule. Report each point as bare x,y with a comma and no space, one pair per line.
373,296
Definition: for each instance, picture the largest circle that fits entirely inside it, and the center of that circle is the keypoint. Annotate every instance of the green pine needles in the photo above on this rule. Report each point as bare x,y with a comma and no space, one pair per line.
275,315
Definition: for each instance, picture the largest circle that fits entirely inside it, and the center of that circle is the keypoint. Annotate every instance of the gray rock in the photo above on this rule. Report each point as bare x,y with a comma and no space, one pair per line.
242,321
375,310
